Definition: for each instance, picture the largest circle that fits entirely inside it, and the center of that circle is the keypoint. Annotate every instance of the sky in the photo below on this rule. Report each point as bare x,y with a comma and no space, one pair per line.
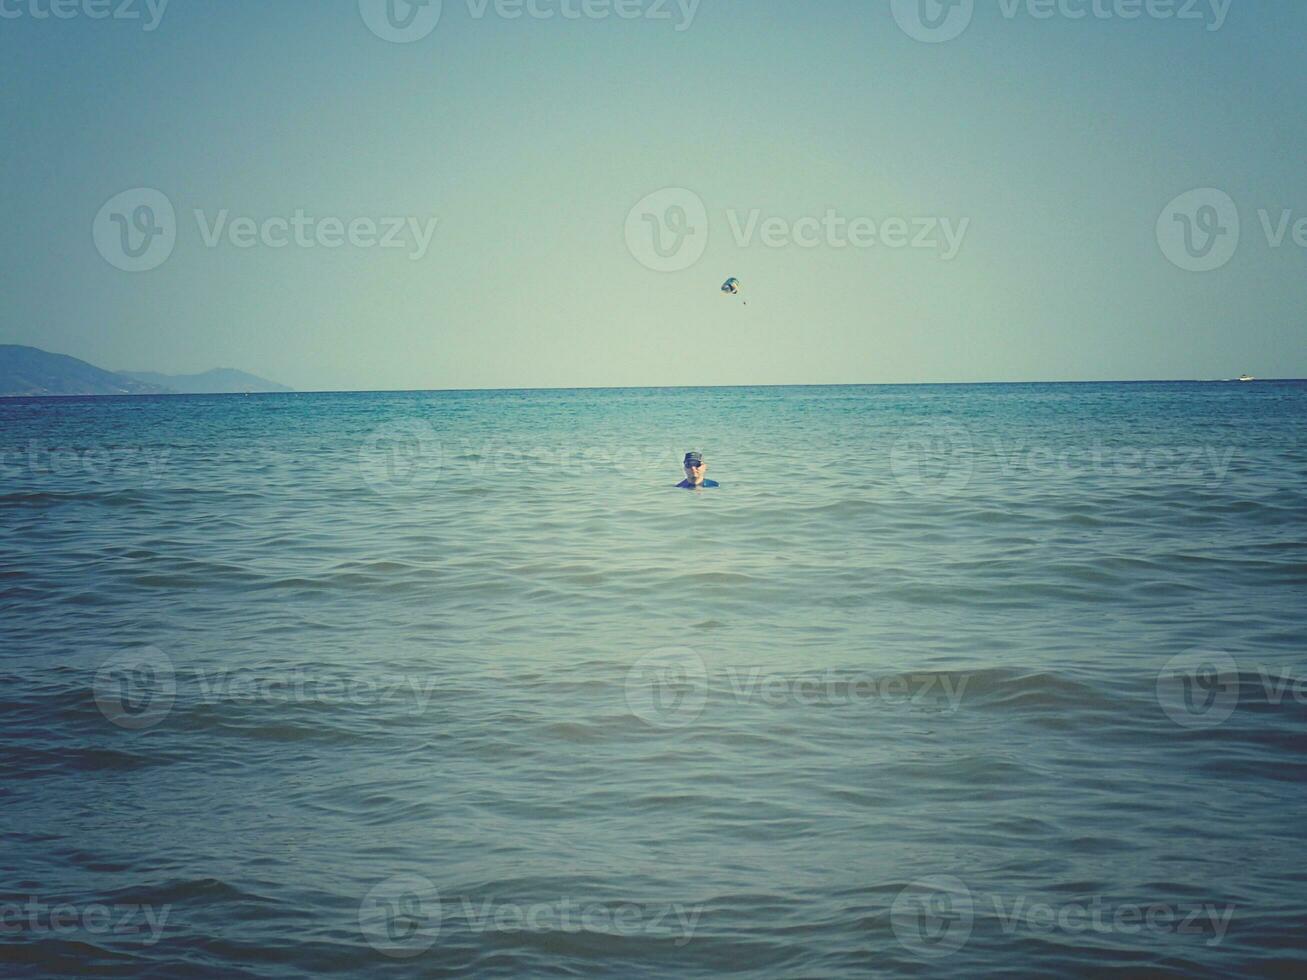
997,190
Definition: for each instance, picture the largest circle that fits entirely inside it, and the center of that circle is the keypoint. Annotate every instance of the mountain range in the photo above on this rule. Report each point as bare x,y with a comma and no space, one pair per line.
215,382
30,371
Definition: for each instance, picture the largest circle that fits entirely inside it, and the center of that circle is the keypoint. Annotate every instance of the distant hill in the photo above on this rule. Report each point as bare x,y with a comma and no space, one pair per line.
32,371
215,382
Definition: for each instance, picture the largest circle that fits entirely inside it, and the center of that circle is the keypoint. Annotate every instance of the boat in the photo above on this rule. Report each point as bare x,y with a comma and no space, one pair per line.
1246,377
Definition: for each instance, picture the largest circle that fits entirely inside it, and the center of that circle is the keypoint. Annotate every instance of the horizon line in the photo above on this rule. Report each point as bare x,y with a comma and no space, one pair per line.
824,384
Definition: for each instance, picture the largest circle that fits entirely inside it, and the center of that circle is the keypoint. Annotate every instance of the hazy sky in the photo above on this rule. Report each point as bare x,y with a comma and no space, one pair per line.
1035,157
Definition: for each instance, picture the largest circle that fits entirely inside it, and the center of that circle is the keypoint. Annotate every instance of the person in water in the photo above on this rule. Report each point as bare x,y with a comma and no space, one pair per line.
695,468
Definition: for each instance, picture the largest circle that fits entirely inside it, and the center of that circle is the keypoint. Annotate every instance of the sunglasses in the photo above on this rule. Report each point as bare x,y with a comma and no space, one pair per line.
692,465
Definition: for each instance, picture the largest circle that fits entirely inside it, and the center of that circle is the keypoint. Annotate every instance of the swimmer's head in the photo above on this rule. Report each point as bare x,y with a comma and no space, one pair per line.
695,467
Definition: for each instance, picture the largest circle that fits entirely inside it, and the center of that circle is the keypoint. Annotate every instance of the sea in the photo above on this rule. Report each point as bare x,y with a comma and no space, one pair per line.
942,680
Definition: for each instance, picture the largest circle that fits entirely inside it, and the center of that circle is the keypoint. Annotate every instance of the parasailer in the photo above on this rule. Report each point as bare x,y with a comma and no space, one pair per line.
732,287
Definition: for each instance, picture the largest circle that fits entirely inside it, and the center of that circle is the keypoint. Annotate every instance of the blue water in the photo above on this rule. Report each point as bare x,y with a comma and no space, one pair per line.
942,681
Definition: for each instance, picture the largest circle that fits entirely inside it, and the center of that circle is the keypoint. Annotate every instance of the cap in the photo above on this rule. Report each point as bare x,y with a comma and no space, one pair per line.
693,458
